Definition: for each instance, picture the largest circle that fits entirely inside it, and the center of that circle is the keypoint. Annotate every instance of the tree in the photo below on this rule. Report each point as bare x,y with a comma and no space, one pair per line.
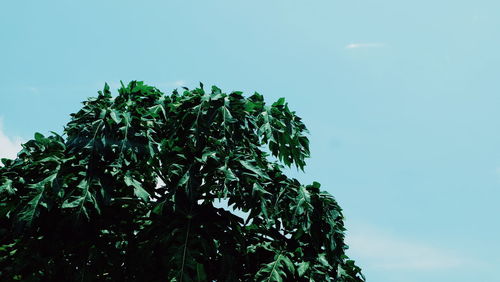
127,194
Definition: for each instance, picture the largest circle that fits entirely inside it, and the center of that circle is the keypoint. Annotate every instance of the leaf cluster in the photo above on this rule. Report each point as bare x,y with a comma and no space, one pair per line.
129,193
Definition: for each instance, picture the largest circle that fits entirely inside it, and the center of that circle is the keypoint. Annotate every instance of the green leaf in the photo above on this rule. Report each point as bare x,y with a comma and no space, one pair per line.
276,270
257,171
229,175
302,204
280,102
288,264
6,187
303,267
72,202
208,154
39,137
115,116
184,179
341,272
322,259
79,198
138,189
200,272
30,211
259,190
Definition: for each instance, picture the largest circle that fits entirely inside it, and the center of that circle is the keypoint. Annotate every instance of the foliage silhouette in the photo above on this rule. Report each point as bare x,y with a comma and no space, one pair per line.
128,195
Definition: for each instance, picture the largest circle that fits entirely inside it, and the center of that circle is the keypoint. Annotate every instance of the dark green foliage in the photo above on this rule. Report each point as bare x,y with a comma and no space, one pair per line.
89,207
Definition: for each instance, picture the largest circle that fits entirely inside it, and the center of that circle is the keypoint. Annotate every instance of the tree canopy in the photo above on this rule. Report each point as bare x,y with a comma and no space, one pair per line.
127,193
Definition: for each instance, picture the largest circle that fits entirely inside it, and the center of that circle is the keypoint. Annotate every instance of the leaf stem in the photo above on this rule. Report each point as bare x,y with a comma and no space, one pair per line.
185,249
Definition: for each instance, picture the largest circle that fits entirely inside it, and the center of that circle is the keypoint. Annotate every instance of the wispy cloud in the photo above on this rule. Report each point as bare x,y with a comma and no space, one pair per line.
365,45
380,249
33,90
179,83
9,147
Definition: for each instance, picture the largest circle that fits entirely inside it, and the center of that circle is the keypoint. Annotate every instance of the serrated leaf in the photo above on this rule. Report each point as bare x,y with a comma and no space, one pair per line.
29,213
72,202
276,270
138,189
257,171
259,190
228,174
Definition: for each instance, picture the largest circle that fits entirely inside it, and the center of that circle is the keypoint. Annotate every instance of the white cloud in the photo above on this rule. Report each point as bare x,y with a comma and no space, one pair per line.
364,45
379,249
179,83
9,147
33,90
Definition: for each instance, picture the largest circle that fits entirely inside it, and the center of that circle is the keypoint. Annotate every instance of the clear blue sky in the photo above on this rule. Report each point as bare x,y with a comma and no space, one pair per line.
401,98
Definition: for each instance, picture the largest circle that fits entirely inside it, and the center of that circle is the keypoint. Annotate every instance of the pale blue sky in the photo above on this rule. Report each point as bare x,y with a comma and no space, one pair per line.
401,99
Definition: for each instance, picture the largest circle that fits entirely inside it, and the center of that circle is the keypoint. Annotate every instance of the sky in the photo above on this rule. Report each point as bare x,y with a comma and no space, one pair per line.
401,99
